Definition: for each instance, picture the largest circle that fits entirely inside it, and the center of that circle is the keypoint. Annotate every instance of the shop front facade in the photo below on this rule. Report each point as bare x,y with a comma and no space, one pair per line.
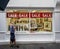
34,21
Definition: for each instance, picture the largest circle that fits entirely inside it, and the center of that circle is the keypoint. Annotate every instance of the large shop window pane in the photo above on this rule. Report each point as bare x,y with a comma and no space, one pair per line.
41,21
31,21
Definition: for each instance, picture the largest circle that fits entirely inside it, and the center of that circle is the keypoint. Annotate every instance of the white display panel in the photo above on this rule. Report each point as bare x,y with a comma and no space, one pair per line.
2,22
57,22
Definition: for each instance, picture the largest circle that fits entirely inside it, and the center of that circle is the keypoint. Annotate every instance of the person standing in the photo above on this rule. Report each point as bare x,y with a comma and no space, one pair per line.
12,34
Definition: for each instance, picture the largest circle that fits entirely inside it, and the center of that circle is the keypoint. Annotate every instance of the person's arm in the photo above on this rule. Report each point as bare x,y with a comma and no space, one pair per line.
14,27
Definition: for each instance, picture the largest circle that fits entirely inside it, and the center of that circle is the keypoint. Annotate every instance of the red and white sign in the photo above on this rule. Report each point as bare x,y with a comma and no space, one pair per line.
41,15
17,15
23,15
27,15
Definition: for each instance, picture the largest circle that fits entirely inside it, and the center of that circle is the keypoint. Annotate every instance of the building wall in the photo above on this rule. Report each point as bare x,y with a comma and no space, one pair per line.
32,3
57,23
23,38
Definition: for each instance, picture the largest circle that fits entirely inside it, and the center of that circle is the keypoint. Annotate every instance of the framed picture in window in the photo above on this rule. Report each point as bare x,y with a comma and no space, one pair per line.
48,26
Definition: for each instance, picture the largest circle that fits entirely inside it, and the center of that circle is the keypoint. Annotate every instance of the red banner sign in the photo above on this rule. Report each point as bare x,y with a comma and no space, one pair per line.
41,15
31,15
17,15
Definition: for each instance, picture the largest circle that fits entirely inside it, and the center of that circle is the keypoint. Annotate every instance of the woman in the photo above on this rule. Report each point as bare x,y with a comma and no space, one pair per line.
12,34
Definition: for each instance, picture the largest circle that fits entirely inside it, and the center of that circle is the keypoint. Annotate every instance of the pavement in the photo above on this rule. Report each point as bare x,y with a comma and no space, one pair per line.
33,46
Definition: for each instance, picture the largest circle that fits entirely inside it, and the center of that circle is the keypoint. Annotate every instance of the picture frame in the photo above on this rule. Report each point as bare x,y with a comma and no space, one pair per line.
48,26
40,25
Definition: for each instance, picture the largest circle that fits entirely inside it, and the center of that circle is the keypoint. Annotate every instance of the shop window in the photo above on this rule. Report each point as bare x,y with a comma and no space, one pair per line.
30,21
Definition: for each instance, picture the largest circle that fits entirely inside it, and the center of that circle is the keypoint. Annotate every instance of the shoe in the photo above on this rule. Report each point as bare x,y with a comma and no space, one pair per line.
12,45
17,46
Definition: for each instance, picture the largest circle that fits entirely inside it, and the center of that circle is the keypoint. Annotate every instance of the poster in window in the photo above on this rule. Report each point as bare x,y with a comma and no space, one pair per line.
47,26
38,21
27,21
20,20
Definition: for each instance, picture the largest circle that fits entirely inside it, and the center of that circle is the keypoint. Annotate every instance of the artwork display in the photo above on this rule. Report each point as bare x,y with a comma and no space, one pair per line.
20,20
39,21
30,21
47,26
